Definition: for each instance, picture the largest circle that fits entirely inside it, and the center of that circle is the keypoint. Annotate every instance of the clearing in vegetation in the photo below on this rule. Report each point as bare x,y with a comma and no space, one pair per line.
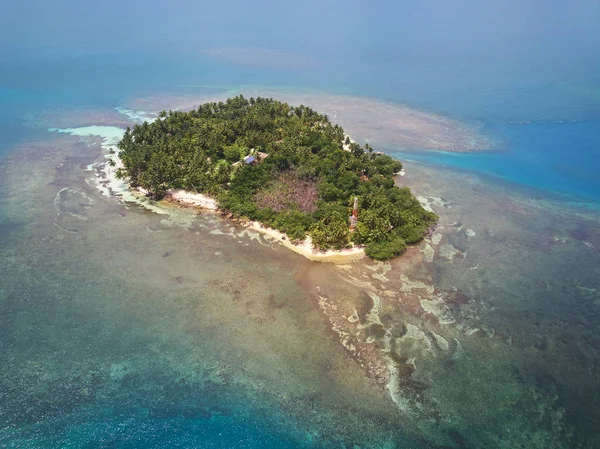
287,167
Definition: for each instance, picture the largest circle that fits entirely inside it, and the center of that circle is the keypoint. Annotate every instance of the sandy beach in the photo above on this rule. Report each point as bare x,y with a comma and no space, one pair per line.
303,248
106,176
105,179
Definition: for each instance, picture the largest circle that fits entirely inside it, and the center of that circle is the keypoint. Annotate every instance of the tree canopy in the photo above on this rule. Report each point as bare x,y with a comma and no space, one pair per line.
301,180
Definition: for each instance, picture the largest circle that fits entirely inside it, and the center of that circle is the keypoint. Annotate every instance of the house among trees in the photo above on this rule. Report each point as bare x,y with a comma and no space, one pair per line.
303,183
255,157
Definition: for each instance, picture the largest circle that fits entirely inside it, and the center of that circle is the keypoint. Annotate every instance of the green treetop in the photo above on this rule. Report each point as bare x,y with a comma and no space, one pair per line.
301,180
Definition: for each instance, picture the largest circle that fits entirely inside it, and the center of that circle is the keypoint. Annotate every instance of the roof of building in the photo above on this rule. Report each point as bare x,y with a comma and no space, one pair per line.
249,159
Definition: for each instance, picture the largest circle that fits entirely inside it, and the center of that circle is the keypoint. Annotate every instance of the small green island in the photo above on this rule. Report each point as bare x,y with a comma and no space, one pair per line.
287,167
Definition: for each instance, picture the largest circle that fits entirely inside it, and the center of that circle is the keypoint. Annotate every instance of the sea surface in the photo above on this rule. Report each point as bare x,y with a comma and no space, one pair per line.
130,324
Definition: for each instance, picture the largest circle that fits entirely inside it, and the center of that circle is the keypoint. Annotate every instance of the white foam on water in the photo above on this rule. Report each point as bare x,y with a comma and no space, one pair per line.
137,116
105,179
111,135
424,203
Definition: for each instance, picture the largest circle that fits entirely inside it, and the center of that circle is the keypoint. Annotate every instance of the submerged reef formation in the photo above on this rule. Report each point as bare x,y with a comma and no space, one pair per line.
475,338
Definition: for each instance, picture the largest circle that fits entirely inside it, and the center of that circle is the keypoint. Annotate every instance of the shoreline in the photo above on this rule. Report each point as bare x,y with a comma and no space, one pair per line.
369,120
304,248
108,183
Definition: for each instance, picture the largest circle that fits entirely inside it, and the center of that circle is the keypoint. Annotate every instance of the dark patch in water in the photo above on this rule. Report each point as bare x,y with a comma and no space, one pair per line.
363,307
579,233
7,228
376,331
57,399
586,234
456,297
398,330
276,302
405,369
179,279
458,439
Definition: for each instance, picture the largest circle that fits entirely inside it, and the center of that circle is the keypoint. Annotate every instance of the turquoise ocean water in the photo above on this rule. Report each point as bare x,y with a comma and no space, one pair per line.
527,76
546,129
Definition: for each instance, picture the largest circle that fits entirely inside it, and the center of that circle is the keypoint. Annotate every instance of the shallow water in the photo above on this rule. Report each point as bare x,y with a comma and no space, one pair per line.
149,329
128,325
535,156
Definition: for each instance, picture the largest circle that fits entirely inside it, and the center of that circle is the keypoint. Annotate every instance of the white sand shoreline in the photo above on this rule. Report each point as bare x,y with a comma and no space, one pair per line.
303,248
206,203
109,185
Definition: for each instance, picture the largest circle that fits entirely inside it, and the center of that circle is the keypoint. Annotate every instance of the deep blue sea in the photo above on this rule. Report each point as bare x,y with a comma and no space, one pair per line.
526,74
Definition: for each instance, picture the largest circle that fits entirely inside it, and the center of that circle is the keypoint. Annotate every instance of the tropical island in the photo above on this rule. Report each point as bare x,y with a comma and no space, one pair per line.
287,167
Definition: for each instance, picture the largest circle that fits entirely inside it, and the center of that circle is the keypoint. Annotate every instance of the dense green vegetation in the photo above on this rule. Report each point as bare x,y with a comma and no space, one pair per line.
303,180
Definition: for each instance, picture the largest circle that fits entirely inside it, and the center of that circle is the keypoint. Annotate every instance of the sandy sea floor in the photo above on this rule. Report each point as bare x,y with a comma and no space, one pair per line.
119,321
376,122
